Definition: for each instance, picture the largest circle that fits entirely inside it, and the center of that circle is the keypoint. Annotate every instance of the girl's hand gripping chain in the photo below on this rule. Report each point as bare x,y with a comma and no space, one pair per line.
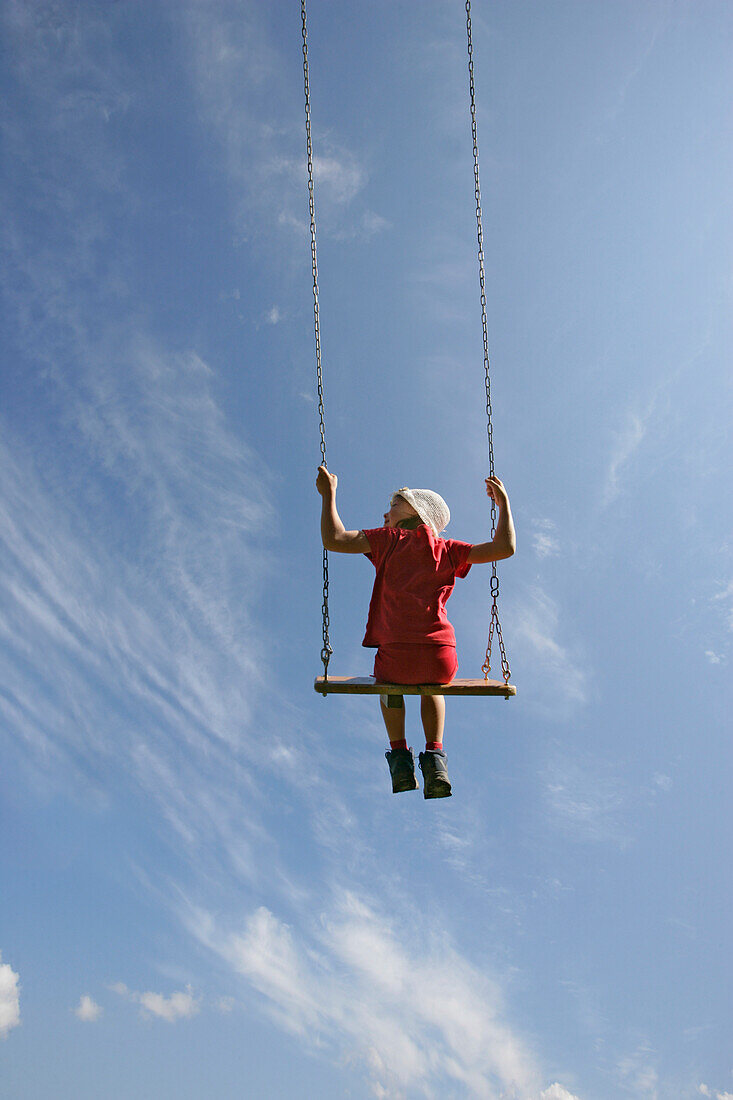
333,533
326,482
504,541
495,491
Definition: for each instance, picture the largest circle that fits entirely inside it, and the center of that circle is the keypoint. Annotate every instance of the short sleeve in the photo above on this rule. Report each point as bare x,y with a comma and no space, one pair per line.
380,539
458,556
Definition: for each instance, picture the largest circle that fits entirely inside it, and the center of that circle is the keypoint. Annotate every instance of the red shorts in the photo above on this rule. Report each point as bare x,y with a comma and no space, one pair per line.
399,663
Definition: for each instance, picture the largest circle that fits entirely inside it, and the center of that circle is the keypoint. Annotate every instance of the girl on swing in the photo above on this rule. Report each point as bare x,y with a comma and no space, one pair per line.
407,623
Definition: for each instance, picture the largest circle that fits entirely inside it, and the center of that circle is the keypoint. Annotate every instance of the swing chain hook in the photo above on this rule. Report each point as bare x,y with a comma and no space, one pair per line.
495,627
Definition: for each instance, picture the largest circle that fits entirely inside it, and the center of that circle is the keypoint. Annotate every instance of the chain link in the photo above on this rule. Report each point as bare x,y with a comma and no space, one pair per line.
494,624
326,651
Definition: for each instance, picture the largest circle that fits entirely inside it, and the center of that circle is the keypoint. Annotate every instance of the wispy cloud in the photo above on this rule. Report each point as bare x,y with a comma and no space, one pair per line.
170,469
627,443
9,999
726,598
644,50
128,536
129,527
149,675
544,538
422,1019
638,1074
556,673
719,630
240,79
442,281
586,799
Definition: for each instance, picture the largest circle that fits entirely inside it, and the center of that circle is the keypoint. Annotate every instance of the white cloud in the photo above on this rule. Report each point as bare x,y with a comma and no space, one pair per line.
714,658
9,999
274,316
705,1091
557,1092
421,1019
338,175
372,223
545,546
87,1009
180,1005
544,541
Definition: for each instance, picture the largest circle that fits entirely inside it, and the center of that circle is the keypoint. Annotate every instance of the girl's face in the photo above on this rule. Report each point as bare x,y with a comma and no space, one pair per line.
399,509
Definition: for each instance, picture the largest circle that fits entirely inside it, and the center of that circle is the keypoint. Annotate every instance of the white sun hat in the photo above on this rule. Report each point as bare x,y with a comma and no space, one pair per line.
430,507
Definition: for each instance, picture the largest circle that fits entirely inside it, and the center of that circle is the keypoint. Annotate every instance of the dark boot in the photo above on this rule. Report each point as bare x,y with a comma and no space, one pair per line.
435,774
402,769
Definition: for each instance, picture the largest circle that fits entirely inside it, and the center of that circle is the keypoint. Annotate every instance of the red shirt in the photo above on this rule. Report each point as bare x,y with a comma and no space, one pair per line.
416,573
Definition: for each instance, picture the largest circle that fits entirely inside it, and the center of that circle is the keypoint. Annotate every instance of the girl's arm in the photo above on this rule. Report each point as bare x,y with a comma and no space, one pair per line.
504,542
333,533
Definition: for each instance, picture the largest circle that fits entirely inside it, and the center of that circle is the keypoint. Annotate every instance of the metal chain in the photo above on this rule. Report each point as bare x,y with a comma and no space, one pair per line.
326,651
494,624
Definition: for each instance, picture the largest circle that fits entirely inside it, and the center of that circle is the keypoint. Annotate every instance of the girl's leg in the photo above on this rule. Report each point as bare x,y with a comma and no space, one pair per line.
400,759
394,717
432,712
432,761
394,720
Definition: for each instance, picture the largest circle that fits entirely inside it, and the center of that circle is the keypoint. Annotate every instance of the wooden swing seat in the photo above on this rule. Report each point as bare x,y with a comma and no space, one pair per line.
367,685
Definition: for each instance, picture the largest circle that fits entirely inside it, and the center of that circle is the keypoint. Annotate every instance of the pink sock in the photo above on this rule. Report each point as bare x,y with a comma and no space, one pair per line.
434,746
398,745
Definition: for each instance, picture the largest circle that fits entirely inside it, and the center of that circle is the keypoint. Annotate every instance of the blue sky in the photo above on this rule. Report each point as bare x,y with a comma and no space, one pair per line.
207,886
